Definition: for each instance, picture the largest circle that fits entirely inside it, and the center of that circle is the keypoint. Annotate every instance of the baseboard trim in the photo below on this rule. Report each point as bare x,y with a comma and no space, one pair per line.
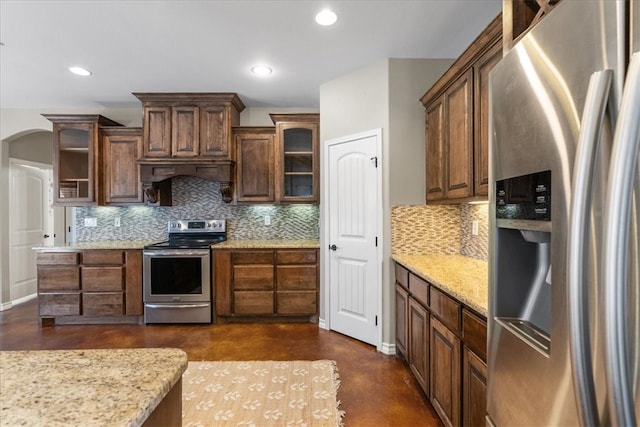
20,301
388,349
6,306
322,324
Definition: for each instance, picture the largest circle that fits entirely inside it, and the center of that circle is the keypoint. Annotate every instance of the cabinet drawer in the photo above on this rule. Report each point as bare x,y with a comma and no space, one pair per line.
59,304
296,257
252,257
446,309
297,303
101,278
292,277
253,303
474,333
58,279
103,257
419,289
253,277
57,258
103,303
402,276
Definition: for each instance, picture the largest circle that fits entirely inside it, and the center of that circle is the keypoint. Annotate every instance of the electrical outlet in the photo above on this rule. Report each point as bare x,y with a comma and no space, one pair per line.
91,222
267,220
474,228
116,222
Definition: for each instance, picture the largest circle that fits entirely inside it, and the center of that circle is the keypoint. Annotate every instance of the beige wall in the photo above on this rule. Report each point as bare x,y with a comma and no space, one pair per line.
35,147
384,95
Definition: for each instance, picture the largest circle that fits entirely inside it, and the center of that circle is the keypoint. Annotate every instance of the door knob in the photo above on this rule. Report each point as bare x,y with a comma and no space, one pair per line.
46,236
333,247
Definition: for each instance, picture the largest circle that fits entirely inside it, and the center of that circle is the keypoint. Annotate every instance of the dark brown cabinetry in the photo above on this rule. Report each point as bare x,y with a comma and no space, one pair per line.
122,147
189,125
255,171
456,122
296,157
91,286
445,346
77,157
266,283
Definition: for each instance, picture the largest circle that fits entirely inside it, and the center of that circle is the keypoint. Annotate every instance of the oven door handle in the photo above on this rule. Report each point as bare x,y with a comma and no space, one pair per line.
176,253
176,306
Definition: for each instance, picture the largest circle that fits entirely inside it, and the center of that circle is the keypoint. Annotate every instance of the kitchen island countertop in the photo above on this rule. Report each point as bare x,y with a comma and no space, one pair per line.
115,387
268,244
462,277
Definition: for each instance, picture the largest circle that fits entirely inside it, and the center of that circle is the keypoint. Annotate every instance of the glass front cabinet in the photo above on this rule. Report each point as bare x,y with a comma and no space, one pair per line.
297,161
76,157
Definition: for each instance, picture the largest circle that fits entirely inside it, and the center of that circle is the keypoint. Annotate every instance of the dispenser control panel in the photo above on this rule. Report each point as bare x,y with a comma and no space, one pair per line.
526,197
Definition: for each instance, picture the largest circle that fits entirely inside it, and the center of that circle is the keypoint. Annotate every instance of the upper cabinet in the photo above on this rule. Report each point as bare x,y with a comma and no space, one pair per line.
189,125
254,164
121,147
456,123
77,157
296,157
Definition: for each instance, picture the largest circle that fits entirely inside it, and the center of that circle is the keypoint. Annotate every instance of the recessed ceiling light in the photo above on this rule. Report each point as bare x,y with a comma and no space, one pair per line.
261,70
326,17
80,71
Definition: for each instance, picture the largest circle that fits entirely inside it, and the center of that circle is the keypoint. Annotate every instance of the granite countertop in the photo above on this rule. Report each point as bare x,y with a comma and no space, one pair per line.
268,244
460,276
102,244
114,387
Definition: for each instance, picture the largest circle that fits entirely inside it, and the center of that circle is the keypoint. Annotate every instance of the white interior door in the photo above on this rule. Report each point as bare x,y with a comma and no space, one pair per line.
30,219
355,210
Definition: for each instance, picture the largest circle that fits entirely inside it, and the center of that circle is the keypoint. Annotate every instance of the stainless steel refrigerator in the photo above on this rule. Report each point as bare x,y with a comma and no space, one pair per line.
564,286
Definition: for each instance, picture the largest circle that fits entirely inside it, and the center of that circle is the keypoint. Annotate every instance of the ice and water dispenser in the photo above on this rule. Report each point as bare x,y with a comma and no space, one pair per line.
523,257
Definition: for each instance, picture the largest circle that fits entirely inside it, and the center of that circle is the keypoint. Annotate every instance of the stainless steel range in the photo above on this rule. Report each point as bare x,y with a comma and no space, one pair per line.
177,274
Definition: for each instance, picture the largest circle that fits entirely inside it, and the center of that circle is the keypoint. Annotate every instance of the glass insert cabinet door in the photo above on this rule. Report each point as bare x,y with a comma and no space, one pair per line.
297,177
75,157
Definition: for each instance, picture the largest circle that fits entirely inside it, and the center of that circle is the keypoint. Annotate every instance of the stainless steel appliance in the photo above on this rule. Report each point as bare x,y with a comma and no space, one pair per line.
177,274
564,297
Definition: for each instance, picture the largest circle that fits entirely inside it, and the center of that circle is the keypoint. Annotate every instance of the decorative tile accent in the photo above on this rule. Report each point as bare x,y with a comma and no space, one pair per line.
440,229
425,229
195,198
470,245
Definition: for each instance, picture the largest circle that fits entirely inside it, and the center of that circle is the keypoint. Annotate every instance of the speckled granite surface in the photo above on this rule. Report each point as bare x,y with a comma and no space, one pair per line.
103,244
114,387
461,277
267,244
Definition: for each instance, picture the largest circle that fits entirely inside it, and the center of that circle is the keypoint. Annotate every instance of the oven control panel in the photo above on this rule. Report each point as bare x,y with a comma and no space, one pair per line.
197,226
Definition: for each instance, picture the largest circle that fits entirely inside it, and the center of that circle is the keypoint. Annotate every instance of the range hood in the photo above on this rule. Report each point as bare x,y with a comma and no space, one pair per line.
156,175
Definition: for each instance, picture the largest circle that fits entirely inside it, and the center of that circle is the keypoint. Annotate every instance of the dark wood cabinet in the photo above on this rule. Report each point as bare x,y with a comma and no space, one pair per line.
266,283
445,389
77,157
296,157
444,343
189,125
435,146
419,343
255,169
91,286
459,137
122,147
474,389
481,70
457,125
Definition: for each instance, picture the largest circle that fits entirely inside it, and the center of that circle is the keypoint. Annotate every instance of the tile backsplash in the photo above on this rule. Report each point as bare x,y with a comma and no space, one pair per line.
195,198
445,229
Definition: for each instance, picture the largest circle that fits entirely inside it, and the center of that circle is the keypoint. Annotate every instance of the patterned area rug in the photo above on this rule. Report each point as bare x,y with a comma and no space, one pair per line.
258,393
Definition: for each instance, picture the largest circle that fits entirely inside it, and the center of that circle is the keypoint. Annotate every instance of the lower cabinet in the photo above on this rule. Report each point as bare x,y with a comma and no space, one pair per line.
253,284
444,344
91,286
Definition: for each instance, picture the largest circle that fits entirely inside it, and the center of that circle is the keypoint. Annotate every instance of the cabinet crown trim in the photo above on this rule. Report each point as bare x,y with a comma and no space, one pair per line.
190,98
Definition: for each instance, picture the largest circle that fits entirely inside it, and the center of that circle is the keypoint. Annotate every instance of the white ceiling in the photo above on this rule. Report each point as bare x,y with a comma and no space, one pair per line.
209,46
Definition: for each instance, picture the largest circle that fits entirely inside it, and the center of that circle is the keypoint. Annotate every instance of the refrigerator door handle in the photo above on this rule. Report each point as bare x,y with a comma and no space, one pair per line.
624,159
586,156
